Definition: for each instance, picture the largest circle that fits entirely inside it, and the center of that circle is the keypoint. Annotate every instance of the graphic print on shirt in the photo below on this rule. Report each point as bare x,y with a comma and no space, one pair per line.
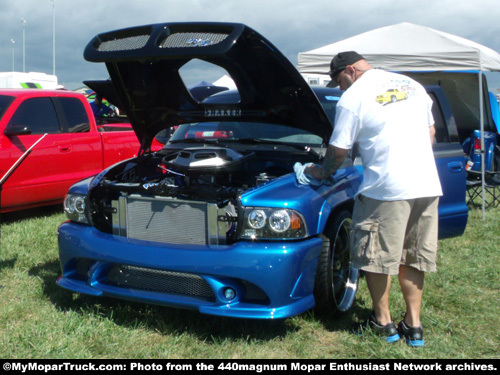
394,91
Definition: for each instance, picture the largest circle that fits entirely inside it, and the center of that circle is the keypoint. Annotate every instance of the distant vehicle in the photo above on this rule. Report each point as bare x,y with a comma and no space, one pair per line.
392,95
75,147
31,80
216,221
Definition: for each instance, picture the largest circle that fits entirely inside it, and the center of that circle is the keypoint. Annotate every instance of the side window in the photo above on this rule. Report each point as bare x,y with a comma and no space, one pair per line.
38,114
5,102
439,121
72,114
330,109
329,103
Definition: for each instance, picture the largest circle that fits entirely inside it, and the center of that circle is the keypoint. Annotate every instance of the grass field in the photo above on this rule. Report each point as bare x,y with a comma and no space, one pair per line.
40,320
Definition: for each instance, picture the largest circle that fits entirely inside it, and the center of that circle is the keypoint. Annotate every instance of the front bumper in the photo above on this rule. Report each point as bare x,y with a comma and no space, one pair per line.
271,280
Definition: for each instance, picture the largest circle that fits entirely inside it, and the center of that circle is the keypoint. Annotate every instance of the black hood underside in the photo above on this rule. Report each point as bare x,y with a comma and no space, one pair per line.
144,62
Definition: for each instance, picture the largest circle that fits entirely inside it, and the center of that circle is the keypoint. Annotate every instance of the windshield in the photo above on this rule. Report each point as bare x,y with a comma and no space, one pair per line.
234,131
5,102
255,131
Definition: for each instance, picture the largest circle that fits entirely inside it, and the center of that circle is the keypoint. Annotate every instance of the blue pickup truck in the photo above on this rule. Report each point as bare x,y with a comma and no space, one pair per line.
216,220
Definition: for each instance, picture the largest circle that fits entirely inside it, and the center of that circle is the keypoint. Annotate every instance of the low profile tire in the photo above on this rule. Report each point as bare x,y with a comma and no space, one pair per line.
336,281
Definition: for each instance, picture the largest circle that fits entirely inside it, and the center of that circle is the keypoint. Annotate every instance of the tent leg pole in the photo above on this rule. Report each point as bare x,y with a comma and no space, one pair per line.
481,121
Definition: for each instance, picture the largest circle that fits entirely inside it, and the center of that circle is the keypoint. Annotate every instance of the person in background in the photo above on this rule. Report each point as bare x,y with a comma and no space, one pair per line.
395,219
99,108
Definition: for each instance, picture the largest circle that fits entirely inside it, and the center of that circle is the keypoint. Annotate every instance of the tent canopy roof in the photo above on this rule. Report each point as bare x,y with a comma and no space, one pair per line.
406,47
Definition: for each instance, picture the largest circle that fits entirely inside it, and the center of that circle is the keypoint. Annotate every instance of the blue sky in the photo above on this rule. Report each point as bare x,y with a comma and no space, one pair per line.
292,26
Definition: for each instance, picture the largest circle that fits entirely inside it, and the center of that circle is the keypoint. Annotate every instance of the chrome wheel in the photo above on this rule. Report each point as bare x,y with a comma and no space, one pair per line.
336,280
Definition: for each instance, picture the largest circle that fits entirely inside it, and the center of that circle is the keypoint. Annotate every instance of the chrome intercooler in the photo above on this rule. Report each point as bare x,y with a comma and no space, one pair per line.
170,220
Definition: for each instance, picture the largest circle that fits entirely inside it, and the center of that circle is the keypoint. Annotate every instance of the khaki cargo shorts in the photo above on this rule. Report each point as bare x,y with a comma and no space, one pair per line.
387,234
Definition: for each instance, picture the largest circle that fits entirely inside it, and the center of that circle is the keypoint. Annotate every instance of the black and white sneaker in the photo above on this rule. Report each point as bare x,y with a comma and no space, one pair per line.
389,332
414,336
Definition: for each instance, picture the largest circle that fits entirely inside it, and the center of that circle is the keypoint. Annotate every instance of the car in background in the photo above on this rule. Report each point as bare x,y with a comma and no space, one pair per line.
75,145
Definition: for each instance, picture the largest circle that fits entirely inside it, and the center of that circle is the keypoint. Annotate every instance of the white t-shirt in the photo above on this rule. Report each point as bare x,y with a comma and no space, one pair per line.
388,115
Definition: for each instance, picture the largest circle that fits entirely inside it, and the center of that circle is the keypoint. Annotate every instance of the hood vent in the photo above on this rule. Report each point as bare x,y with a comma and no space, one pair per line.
125,44
112,42
186,40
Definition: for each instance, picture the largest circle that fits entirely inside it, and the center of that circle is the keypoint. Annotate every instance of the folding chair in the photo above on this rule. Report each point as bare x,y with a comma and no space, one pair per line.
491,189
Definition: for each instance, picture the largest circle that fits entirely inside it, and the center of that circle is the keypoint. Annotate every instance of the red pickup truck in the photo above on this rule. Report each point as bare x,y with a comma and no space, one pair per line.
74,148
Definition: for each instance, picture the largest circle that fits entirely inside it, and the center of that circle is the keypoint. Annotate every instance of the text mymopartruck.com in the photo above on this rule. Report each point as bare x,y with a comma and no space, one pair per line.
245,366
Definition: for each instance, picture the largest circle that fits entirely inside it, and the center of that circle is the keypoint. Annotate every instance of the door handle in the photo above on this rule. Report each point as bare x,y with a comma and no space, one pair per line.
64,148
455,166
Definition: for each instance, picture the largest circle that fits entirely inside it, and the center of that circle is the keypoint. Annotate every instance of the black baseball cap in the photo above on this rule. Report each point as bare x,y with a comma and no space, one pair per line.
340,62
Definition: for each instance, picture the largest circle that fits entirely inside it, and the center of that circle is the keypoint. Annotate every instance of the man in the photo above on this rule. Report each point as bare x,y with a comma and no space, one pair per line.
99,108
395,217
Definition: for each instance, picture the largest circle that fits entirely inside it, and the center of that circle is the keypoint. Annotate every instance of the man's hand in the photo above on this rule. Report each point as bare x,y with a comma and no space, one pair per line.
302,177
333,160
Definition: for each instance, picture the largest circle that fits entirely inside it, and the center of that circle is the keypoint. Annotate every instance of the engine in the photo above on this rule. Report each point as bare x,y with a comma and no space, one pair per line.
190,185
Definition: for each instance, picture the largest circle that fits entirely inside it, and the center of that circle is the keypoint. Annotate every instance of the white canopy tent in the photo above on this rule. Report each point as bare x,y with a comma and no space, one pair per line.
406,47
226,81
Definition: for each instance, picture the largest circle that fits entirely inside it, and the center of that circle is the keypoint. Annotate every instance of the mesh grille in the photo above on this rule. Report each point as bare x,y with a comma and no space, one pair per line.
185,284
124,44
166,221
183,40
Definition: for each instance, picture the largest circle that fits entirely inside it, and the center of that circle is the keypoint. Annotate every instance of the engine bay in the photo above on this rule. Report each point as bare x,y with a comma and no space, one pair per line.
208,174
215,175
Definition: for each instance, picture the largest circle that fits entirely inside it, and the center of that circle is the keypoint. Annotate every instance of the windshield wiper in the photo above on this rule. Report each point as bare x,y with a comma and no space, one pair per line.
297,146
199,140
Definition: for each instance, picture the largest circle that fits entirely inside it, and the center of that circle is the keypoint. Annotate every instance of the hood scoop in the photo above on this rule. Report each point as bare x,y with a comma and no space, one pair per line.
144,65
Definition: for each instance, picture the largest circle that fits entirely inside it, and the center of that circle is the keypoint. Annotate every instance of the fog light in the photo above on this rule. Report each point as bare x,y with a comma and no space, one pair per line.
229,294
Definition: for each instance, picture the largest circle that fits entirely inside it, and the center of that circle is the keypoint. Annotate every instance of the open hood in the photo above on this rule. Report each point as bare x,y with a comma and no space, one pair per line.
144,62
107,90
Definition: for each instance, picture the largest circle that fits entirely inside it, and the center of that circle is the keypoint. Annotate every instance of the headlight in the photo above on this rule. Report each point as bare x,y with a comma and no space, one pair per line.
257,219
273,223
280,221
75,206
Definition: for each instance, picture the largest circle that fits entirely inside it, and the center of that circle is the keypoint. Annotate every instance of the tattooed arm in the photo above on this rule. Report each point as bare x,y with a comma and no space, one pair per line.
333,160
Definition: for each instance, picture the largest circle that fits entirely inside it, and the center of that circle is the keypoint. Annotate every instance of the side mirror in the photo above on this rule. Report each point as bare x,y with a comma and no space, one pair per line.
163,136
17,130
